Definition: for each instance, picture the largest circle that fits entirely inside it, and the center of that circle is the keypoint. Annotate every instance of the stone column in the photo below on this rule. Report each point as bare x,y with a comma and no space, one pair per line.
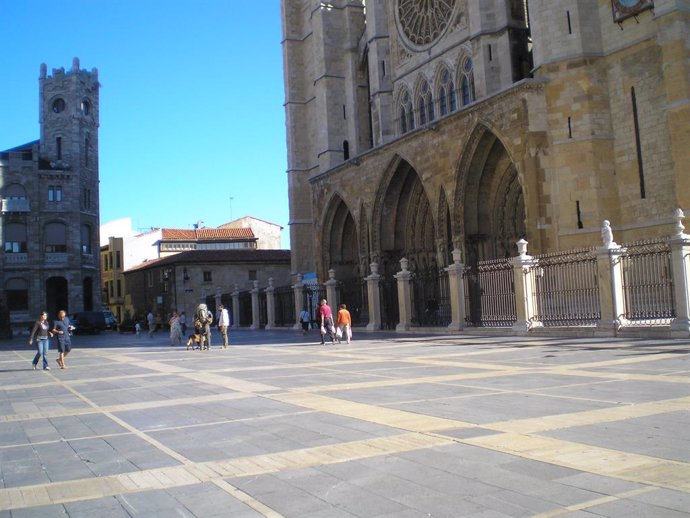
236,307
217,296
610,280
256,323
270,305
297,289
331,292
680,265
524,271
374,298
456,284
404,278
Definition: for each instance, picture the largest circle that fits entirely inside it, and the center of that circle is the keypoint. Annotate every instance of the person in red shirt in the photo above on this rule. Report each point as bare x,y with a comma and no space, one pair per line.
327,327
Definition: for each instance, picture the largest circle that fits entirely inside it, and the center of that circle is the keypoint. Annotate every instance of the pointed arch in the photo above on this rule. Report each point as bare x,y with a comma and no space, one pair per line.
403,223
489,200
340,238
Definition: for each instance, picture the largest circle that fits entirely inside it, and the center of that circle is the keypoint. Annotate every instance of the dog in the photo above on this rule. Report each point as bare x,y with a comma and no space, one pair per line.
194,341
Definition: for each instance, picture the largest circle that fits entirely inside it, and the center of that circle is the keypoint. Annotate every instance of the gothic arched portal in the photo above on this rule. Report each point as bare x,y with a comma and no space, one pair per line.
490,203
340,240
405,222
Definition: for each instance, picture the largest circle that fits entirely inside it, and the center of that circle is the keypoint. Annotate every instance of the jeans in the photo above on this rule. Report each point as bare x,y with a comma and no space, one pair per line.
42,346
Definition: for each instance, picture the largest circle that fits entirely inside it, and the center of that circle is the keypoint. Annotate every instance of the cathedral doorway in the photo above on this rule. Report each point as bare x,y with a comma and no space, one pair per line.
490,199
407,230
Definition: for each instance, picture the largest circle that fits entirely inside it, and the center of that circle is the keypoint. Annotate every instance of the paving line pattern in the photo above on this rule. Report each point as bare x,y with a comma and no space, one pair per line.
409,430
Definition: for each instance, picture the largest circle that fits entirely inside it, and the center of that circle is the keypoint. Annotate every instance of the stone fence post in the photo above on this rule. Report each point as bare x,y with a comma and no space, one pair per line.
331,292
270,305
256,322
680,265
404,278
374,298
456,283
610,280
297,290
524,271
236,307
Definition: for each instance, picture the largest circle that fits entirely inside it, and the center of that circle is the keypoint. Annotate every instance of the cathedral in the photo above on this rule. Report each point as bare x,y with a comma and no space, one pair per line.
50,201
420,128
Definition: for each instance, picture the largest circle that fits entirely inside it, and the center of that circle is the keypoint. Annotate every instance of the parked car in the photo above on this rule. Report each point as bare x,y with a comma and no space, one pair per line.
92,322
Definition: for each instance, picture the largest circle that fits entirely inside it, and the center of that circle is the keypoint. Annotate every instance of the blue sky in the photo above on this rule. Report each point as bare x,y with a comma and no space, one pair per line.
192,125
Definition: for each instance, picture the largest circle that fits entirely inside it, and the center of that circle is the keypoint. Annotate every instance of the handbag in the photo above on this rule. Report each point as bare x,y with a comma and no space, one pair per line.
323,330
338,333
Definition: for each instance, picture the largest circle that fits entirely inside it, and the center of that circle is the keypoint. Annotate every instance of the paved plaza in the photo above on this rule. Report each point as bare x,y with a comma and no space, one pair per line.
390,426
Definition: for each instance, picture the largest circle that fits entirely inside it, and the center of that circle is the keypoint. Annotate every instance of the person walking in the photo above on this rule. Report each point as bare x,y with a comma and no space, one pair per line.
183,323
202,325
344,323
175,329
327,327
223,324
62,328
304,319
41,331
151,321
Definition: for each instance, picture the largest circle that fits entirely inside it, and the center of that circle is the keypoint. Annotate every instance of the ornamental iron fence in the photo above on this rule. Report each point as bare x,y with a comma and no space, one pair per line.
647,283
567,289
490,294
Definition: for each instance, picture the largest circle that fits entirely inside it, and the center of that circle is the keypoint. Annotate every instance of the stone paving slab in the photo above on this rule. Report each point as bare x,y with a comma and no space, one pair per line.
393,425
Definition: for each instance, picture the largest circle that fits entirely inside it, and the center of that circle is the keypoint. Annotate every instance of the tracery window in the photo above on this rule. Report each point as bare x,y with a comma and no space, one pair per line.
425,104
424,21
447,99
406,113
467,81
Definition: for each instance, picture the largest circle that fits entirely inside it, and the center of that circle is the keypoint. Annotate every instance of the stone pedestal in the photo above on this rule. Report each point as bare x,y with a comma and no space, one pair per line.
404,277
525,306
236,307
611,297
374,298
680,265
456,284
256,322
331,291
270,305
297,289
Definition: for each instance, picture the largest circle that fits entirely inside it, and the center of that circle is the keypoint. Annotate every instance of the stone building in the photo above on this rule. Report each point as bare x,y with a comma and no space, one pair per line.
267,233
50,203
183,280
419,127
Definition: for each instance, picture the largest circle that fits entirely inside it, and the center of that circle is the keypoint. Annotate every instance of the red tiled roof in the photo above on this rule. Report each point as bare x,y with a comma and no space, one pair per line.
239,255
205,234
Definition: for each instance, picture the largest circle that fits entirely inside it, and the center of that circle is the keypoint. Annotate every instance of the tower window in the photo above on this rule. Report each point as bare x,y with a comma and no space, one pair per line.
207,277
346,150
86,150
85,107
55,193
58,146
58,105
467,81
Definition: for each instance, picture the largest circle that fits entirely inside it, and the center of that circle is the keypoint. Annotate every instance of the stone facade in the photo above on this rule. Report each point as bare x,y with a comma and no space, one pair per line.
183,280
491,130
50,203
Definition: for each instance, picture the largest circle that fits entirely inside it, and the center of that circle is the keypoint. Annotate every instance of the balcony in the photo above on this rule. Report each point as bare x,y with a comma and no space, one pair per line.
12,259
14,205
56,259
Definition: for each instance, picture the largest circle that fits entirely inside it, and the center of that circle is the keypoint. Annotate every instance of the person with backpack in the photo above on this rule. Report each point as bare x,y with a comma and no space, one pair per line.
305,320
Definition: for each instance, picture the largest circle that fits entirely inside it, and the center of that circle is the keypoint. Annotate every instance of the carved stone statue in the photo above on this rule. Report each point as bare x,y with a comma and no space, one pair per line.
607,235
